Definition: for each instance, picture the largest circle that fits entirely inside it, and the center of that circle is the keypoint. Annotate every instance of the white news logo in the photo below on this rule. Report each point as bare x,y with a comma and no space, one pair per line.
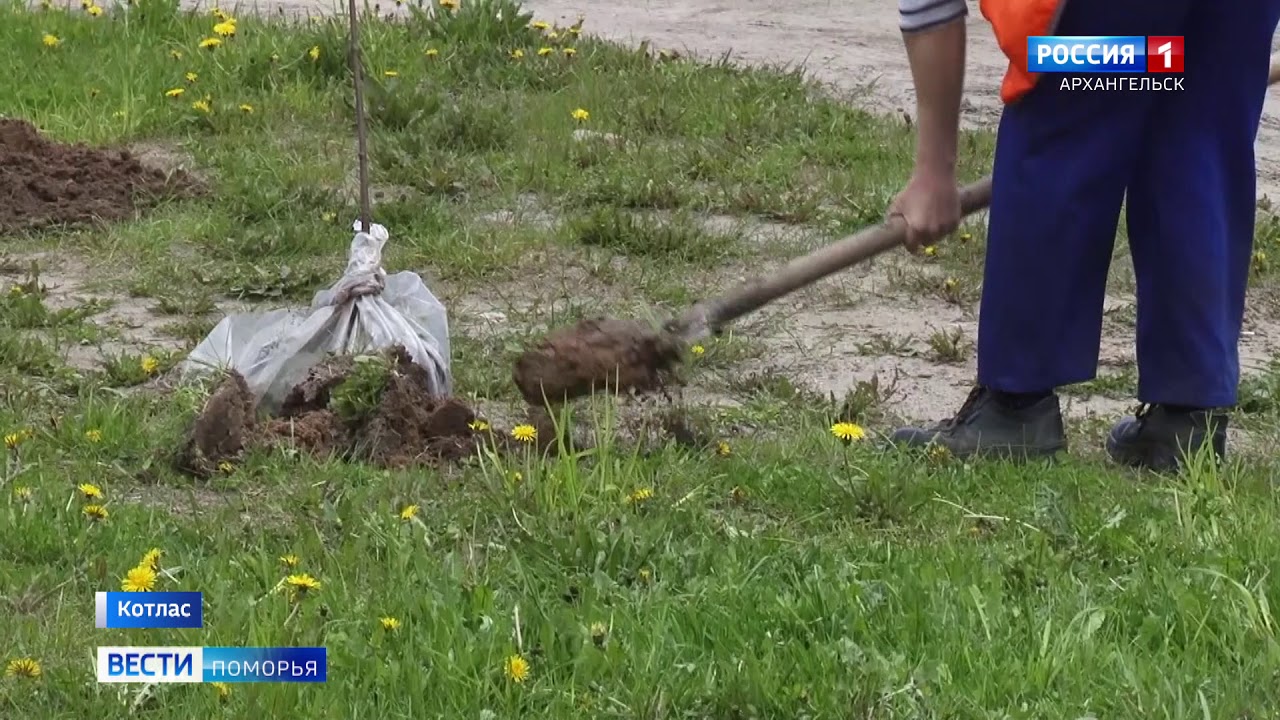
151,664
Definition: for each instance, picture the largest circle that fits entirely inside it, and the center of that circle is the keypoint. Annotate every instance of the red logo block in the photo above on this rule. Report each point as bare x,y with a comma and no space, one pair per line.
1164,53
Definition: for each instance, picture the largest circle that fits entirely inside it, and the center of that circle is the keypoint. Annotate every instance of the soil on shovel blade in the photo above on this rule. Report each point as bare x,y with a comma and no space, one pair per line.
407,426
596,354
44,183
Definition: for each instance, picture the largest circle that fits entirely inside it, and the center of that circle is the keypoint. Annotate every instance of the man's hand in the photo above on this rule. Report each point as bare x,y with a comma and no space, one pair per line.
930,205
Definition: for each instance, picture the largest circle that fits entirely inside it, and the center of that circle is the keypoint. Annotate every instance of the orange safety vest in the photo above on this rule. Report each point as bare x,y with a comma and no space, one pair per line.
1013,21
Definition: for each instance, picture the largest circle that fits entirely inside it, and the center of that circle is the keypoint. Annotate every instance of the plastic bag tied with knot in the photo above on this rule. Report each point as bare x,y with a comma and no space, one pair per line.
365,311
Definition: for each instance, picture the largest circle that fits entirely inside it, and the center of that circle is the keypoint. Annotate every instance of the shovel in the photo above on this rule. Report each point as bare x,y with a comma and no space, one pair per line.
601,353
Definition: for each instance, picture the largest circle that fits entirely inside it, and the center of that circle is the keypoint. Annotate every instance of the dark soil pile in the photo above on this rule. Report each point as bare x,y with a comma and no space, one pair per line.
43,183
408,426
598,354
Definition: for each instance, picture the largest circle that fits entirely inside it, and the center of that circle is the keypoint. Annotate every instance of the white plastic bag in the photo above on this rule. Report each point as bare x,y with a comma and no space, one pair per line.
365,311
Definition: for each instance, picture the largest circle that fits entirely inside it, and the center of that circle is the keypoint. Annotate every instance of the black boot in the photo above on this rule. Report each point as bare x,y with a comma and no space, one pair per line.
1159,437
990,424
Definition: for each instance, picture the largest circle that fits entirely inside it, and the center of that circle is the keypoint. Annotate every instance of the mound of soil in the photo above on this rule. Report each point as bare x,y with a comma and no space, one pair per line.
44,183
409,426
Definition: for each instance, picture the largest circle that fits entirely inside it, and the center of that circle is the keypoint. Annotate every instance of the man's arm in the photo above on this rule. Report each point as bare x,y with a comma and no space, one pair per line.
934,34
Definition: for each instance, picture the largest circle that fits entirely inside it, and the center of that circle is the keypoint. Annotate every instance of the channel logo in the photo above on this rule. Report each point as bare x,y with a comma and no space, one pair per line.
1105,53
212,664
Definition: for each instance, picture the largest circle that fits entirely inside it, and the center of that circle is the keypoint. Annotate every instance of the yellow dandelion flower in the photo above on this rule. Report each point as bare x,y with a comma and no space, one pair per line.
225,29
723,449
390,623
275,57
848,432
516,668
524,433
226,467
246,108
94,10
90,491
645,575
13,440
598,633
191,77
314,53
152,559
640,495
174,92
938,453
950,284
328,217
223,689
93,436
175,54
210,43
390,73
431,52
149,364
139,579
23,667
478,425
930,251
517,53
219,15
517,477
16,291
570,51
581,115
553,35
204,107
50,40
698,350
409,512
539,25
449,4
95,512
966,237
23,493
544,51
574,31
289,560
300,585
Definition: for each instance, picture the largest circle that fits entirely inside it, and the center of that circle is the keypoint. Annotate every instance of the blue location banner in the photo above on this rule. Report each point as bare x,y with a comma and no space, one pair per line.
150,610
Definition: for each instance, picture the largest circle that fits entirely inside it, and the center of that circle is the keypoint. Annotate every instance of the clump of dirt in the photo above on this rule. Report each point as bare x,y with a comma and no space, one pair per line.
222,430
44,183
405,425
596,354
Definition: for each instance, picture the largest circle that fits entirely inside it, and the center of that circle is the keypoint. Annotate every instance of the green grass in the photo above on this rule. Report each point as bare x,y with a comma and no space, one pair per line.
789,577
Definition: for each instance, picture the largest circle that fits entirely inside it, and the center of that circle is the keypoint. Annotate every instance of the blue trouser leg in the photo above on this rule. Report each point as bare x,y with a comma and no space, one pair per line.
1191,208
1062,163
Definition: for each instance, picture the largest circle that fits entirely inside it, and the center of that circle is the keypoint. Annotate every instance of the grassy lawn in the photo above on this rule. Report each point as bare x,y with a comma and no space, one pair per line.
771,572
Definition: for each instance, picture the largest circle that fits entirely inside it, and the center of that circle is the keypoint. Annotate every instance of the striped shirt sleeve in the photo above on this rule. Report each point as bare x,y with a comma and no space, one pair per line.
917,15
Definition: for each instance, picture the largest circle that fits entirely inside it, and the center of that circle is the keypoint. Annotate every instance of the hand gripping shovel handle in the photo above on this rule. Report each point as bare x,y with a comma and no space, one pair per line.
709,316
